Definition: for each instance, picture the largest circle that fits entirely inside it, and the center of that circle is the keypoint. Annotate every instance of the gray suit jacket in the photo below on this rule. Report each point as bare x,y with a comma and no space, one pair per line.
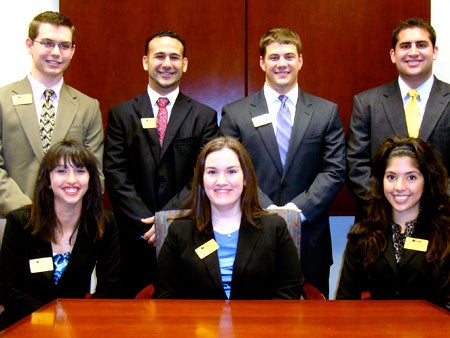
378,113
78,117
315,163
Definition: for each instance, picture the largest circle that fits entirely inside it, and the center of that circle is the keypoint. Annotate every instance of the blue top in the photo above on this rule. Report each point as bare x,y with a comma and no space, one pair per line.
227,253
60,262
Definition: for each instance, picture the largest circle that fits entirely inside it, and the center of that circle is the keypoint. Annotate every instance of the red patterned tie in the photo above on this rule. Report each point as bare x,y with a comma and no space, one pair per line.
162,118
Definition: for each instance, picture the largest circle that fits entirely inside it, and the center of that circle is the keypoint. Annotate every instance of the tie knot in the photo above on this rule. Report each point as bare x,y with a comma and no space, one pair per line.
283,98
48,94
413,93
162,102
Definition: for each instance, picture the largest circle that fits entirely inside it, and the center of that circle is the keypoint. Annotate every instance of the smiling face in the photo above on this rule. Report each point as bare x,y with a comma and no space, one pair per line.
49,64
403,185
223,180
165,64
414,55
69,184
281,63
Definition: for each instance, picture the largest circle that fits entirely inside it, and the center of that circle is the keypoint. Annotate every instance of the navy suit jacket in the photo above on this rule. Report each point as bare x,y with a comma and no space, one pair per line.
266,265
315,163
378,113
141,176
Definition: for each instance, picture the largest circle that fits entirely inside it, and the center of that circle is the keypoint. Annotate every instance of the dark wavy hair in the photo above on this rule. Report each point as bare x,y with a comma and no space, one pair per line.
198,202
371,234
413,23
43,219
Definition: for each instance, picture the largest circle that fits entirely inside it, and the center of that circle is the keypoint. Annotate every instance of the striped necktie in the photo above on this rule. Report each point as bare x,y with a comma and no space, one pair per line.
47,121
284,128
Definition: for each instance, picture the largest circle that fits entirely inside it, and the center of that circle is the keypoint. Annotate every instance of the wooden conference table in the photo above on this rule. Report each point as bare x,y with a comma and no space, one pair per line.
176,318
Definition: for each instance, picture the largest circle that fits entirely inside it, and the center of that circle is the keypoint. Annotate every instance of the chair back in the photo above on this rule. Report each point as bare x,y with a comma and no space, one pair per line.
162,221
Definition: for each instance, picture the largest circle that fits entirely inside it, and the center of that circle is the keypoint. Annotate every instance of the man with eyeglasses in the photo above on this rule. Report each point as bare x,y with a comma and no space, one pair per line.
68,113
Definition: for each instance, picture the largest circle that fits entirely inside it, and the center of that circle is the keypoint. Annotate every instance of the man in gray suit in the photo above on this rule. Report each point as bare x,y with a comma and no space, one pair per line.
379,112
300,158
51,44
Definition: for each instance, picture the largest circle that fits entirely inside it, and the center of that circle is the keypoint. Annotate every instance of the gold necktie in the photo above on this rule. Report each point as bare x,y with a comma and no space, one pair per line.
412,113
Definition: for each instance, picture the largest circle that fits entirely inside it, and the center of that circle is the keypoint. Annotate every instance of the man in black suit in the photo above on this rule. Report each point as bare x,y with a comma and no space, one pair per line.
379,112
150,154
307,170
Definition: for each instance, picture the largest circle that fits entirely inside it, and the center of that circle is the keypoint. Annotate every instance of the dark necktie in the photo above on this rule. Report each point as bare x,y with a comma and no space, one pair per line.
162,118
47,120
284,128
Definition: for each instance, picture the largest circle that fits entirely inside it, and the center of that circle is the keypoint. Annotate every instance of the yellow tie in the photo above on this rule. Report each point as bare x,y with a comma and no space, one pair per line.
412,114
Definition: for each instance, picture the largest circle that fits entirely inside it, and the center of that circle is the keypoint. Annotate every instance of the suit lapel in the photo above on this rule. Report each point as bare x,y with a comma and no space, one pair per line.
143,109
393,109
389,255
67,109
211,261
180,111
303,115
248,239
437,102
28,118
266,132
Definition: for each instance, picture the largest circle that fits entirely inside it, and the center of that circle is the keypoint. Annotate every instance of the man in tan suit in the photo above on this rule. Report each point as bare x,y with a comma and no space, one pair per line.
51,44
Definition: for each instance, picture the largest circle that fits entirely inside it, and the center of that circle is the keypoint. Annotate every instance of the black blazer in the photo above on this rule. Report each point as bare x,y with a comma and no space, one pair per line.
411,278
266,265
141,176
24,291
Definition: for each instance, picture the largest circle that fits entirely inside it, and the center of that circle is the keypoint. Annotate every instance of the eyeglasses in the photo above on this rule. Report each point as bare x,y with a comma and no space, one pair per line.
50,45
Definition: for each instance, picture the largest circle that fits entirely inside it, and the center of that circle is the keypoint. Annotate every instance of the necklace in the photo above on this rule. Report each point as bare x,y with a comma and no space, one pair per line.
67,240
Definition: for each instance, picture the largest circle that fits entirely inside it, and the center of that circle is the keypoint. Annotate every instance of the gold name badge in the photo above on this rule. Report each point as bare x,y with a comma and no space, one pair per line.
22,99
417,244
148,123
41,264
206,249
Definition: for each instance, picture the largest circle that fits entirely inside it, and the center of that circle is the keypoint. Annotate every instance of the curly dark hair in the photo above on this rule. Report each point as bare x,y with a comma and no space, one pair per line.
371,235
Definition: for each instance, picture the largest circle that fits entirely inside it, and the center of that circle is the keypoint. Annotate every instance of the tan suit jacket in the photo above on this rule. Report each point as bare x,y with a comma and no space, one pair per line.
78,117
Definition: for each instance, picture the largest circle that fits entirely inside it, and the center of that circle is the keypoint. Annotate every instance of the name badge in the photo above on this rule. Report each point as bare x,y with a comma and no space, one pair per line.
148,123
41,264
261,120
206,249
417,244
22,99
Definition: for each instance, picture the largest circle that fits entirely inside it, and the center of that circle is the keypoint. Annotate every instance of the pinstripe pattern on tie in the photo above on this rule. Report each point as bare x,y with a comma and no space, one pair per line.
284,128
47,120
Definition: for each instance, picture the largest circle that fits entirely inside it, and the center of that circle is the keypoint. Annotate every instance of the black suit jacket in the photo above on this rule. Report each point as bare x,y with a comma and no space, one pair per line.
411,278
24,291
141,176
266,265
315,164
378,113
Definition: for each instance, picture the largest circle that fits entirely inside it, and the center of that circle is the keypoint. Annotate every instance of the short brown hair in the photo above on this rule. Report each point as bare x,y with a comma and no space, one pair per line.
53,18
280,35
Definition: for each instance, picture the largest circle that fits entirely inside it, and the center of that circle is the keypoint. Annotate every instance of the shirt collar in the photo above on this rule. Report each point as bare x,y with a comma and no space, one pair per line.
272,95
154,96
38,88
424,89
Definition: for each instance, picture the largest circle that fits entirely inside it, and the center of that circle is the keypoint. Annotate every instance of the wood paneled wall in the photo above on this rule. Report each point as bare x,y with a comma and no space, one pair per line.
345,48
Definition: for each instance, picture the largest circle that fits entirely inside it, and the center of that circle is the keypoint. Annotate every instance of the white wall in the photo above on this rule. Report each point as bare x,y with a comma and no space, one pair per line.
441,23
15,15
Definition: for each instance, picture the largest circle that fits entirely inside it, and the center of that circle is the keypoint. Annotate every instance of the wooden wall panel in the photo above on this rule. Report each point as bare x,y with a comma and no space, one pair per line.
346,47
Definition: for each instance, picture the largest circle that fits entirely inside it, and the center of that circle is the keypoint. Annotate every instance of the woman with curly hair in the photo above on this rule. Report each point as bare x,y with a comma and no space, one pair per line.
402,249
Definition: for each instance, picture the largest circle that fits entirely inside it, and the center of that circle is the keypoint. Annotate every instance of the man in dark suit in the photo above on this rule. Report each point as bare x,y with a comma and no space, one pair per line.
379,112
150,153
51,45
301,166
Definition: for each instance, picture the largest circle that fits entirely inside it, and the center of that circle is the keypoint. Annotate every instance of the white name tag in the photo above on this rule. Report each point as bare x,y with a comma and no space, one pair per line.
41,264
261,120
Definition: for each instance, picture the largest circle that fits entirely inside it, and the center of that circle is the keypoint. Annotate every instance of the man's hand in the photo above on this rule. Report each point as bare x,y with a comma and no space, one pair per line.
149,236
